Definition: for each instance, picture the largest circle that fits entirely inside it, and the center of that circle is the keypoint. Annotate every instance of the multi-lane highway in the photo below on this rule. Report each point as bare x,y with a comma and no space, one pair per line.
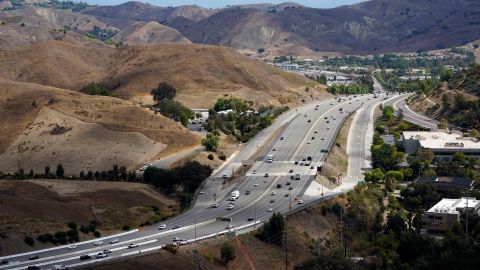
296,138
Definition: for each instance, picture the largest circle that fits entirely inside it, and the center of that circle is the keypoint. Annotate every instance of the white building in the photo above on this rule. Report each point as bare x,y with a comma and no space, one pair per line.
447,212
442,143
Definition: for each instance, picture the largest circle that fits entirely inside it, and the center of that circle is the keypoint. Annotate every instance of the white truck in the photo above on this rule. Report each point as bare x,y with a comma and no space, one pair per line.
297,176
269,158
235,194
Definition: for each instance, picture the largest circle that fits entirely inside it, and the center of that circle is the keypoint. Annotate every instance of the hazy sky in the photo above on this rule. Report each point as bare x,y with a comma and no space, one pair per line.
223,3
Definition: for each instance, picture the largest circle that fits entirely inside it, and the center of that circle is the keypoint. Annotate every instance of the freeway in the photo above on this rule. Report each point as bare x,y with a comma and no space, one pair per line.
293,139
400,106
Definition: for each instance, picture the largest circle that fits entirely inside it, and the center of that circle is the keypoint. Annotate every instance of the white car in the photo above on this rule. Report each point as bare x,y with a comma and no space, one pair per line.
133,245
300,202
101,255
254,172
59,267
72,247
114,241
229,226
230,207
309,142
162,227
273,193
182,243
202,192
269,209
215,205
255,185
98,243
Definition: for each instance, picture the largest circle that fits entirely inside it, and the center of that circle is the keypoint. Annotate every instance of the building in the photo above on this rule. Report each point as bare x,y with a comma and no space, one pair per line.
445,213
444,144
445,182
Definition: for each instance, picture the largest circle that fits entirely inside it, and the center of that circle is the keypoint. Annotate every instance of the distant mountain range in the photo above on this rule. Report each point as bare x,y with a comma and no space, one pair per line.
374,26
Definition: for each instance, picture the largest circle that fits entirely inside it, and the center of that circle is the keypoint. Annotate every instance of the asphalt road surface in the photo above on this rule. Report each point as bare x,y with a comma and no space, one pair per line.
301,134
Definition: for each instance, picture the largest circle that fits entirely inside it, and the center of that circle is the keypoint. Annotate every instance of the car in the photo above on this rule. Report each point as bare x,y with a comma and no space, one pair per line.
290,188
255,185
296,162
33,267
33,257
254,172
273,193
114,241
215,205
311,167
229,226
266,175
313,138
281,138
98,243
72,247
279,185
305,115
176,239
269,209
85,257
101,255
309,142
107,251
328,121
230,207
309,120
247,192
133,245
286,195
4,262
328,128
288,183
326,117
272,200
291,171
182,243
250,219
316,106
300,202
202,192
162,227
274,149
323,139
315,132
175,227
291,176
316,109
59,267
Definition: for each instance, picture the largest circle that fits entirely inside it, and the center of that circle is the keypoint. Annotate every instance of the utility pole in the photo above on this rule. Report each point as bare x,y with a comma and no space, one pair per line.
286,253
466,219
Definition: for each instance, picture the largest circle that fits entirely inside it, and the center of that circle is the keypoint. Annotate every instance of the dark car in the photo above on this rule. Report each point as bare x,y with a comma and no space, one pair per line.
309,121
279,185
247,192
3,262
288,184
33,257
290,188
85,257
291,171
175,227
296,162
33,267
250,219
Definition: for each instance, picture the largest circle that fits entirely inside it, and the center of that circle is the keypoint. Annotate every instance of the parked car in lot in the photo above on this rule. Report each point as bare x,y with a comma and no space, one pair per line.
266,175
273,193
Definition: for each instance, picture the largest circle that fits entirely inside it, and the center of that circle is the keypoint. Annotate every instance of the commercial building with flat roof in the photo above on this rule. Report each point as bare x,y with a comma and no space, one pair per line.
442,143
446,182
446,212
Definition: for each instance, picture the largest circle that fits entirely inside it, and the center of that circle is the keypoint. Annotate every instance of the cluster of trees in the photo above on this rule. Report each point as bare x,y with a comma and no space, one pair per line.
211,141
354,88
392,82
242,122
183,180
57,4
97,89
64,237
163,95
464,113
272,230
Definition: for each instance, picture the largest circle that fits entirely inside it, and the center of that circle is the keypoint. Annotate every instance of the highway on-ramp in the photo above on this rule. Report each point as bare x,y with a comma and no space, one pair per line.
293,139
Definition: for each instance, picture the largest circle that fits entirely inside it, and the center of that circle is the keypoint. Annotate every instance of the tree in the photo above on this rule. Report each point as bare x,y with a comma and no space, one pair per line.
261,50
227,252
47,171
388,112
396,223
446,75
322,79
374,176
60,171
163,91
272,230
211,142
474,133
28,240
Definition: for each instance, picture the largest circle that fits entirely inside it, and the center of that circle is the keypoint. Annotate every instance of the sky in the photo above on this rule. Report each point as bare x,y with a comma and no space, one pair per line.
223,3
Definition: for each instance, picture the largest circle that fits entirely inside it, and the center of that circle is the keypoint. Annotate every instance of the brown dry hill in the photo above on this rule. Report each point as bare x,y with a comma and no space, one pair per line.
149,32
201,73
28,25
44,126
45,206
